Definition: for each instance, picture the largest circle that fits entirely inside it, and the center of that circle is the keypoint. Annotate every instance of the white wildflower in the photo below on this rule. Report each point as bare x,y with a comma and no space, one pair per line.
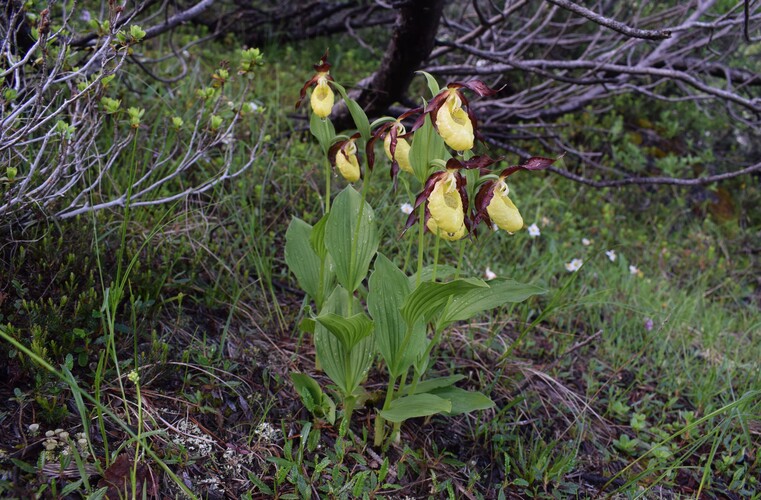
406,208
586,242
533,230
634,270
574,265
489,274
611,255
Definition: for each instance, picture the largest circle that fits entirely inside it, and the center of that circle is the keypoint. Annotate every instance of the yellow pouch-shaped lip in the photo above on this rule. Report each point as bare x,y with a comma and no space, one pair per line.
445,205
502,211
457,235
322,98
454,125
402,152
347,163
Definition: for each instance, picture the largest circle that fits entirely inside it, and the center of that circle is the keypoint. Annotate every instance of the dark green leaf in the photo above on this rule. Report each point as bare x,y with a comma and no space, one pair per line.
498,293
352,246
430,298
389,288
300,257
348,330
417,405
323,130
464,401
436,383
356,112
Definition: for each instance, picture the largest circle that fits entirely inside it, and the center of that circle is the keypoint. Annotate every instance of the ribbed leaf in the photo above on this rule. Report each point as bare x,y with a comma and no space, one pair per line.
464,401
317,238
351,247
389,288
433,85
301,258
348,330
443,271
323,130
498,293
417,405
435,383
308,389
331,351
427,146
430,298
356,112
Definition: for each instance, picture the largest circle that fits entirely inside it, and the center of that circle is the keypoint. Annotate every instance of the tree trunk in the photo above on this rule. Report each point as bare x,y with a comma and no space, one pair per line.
411,43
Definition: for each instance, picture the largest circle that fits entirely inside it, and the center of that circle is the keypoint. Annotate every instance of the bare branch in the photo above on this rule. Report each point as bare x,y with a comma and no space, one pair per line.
612,23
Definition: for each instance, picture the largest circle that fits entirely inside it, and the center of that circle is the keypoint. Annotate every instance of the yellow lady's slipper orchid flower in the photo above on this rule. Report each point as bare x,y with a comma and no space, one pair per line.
454,124
445,204
434,228
348,164
502,211
343,154
401,153
494,206
322,98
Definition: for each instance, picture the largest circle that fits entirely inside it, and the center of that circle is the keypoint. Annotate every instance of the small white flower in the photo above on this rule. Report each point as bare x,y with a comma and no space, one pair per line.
634,271
33,428
406,208
574,265
611,255
489,274
586,242
533,230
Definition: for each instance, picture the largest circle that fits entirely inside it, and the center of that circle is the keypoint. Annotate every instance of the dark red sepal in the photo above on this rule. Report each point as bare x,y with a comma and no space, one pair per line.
533,163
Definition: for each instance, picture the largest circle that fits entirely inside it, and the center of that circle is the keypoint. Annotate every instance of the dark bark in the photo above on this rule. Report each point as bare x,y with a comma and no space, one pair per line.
410,45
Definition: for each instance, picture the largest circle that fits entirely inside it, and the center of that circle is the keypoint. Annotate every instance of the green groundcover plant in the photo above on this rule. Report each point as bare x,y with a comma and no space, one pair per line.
402,318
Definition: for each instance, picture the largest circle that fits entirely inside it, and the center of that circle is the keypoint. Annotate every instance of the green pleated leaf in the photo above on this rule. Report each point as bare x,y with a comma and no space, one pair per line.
323,130
351,246
356,112
433,85
308,389
430,298
431,385
348,330
427,145
464,401
443,271
301,258
389,288
317,238
417,405
346,368
498,293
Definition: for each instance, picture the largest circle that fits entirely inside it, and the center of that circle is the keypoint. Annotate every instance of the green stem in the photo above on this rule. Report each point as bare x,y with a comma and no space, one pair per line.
380,421
355,235
420,244
328,174
436,254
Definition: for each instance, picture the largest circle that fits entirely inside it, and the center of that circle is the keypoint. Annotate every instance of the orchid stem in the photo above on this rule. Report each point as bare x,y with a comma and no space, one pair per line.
420,244
328,174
